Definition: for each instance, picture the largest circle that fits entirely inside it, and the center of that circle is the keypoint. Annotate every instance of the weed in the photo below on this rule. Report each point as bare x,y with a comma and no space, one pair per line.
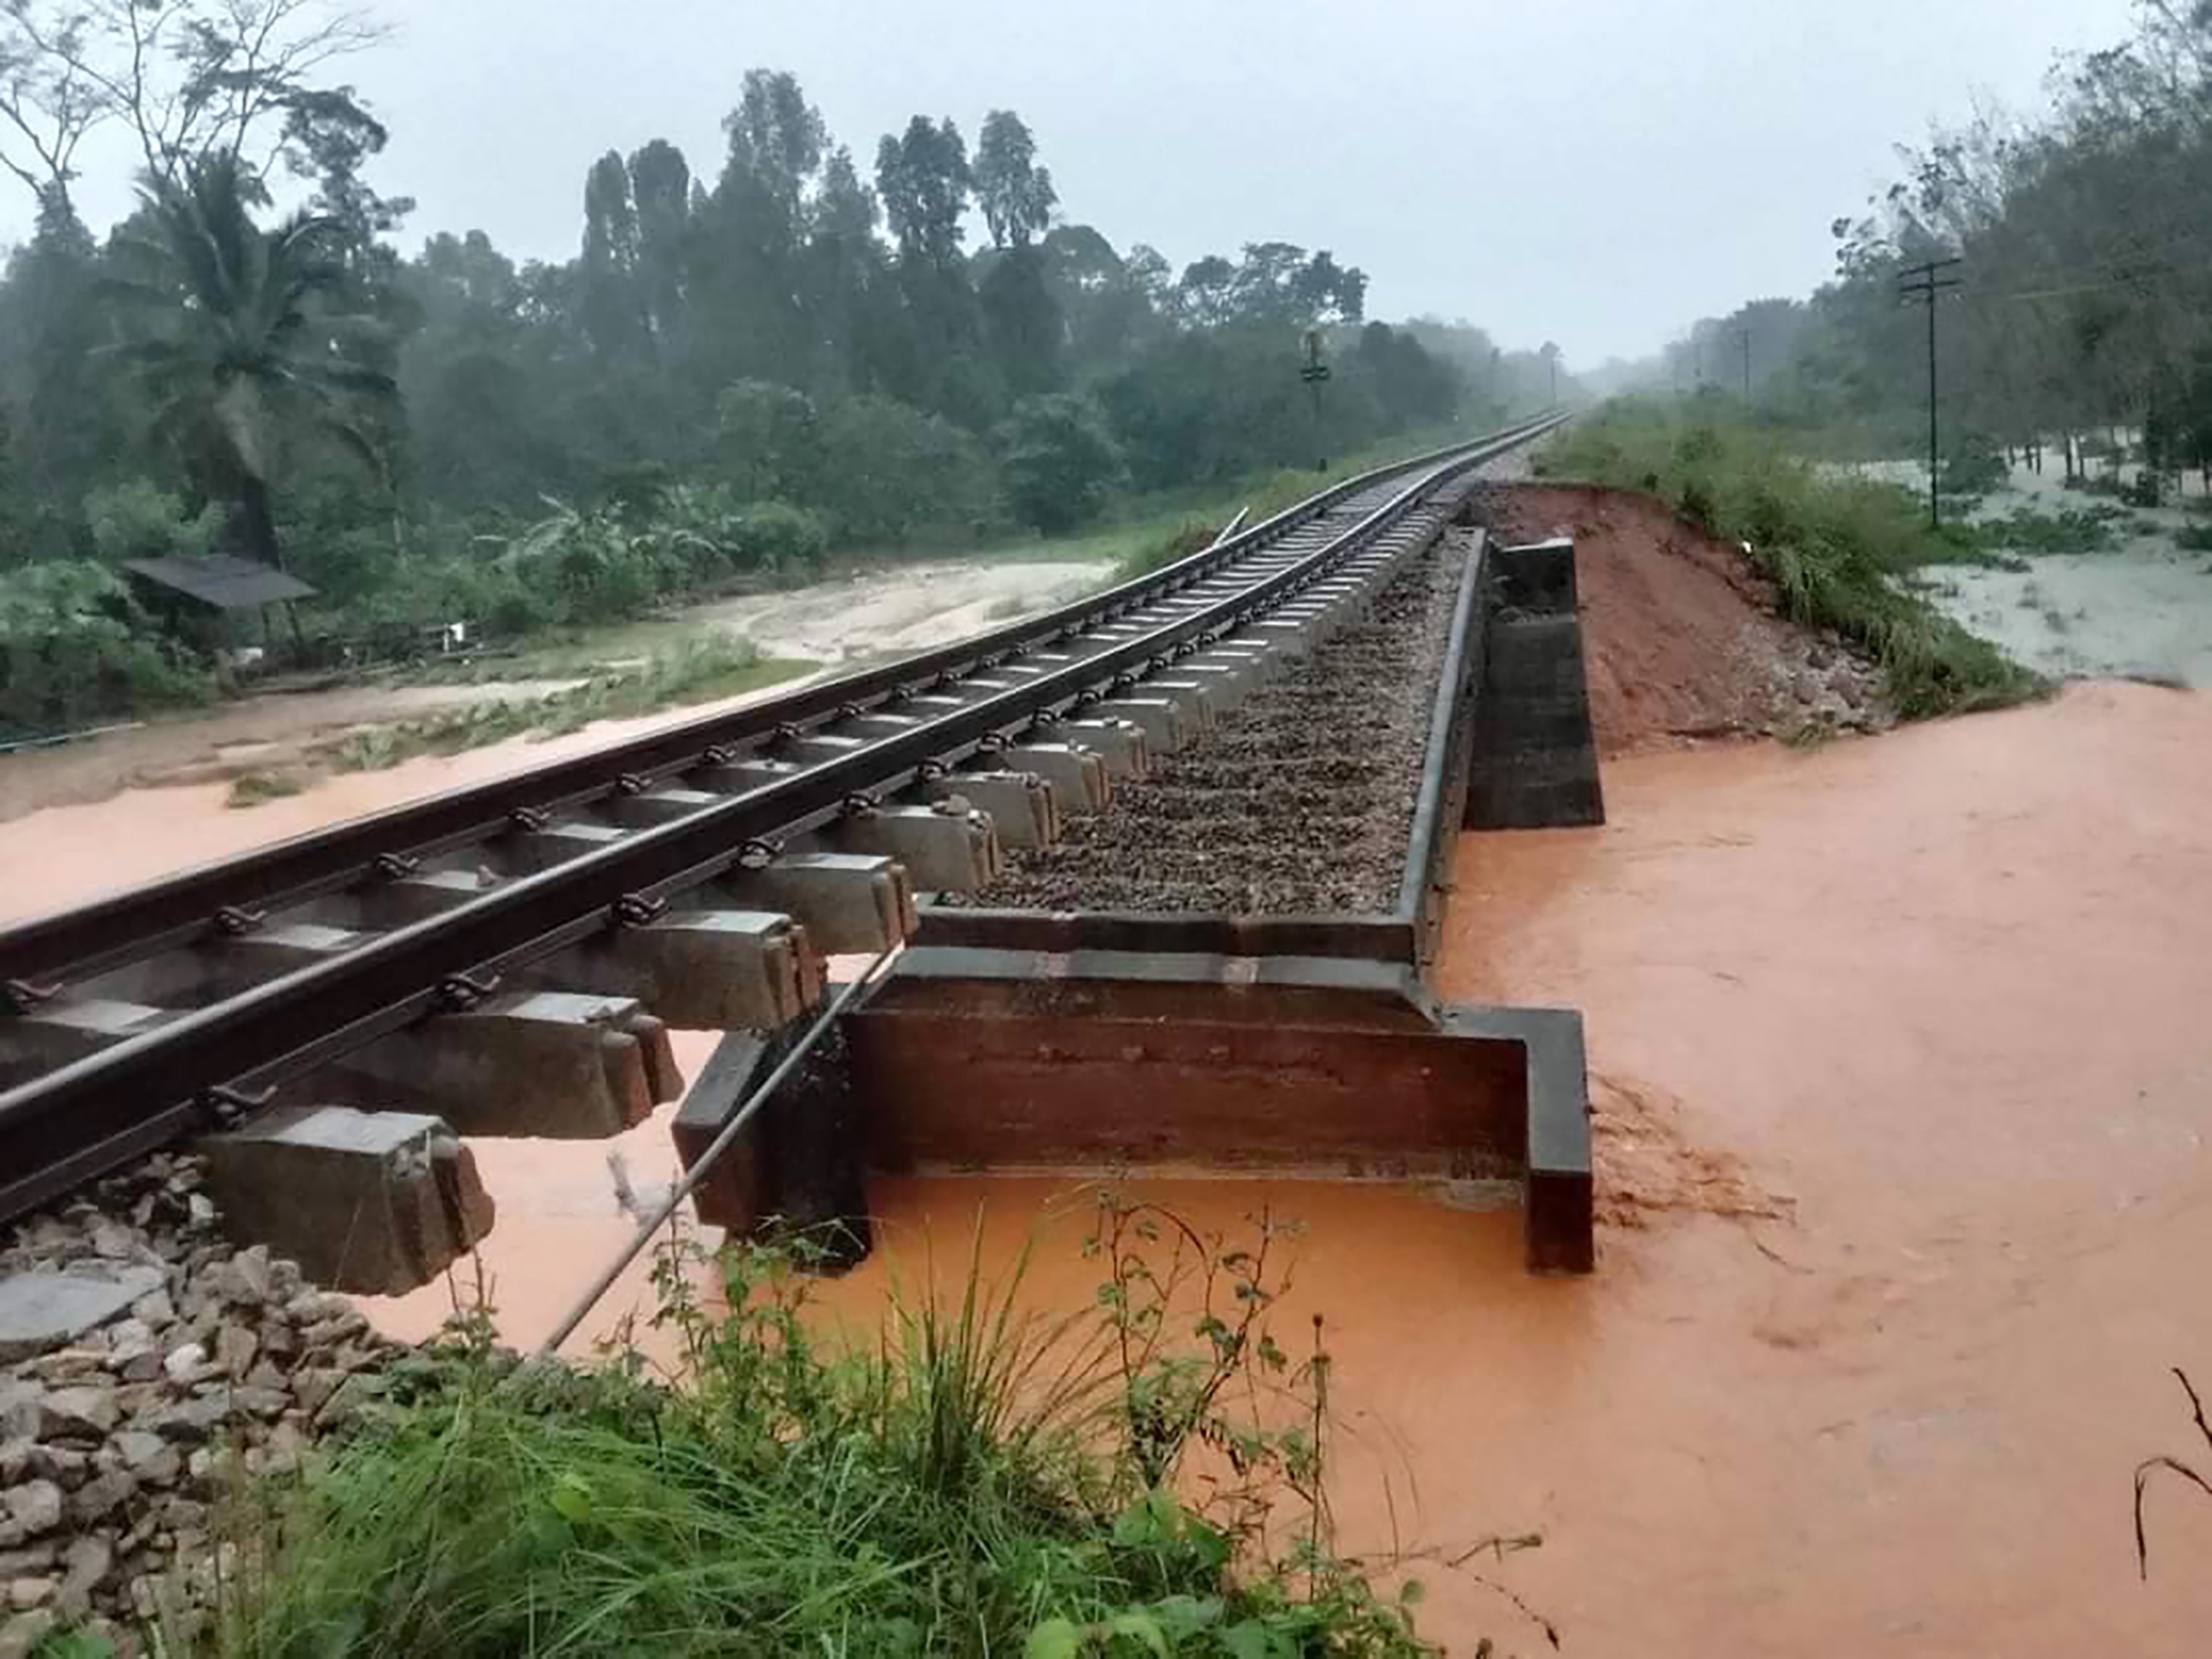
2174,1466
254,788
2194,539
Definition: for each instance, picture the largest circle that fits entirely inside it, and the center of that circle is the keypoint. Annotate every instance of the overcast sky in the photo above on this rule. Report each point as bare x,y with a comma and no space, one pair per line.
1600,172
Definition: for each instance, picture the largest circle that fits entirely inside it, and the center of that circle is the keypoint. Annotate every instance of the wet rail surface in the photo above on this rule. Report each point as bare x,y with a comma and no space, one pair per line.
802,826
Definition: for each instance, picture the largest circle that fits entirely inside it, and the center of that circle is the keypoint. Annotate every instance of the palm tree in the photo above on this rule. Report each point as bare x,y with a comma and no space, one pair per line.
239,334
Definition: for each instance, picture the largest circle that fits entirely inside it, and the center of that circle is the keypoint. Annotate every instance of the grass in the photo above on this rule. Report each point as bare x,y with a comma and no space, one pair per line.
978,1478
1841,550
700,669
258,788
1197,516
2075,530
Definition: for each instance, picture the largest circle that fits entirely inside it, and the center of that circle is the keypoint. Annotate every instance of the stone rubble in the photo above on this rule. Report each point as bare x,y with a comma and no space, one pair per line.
120,1445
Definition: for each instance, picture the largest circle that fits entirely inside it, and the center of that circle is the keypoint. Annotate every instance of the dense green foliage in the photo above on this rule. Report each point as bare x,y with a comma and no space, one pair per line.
780,328
974,1479
73,646
1838,548
2086,302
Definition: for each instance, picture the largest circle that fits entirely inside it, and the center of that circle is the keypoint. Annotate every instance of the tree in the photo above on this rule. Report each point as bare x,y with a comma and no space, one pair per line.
1016,194
192,80
233,346
1062,462
660,193
614,315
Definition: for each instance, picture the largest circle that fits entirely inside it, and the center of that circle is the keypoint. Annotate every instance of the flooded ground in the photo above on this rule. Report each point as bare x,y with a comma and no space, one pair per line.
2142,608
892,613
1898,1047
1897,1051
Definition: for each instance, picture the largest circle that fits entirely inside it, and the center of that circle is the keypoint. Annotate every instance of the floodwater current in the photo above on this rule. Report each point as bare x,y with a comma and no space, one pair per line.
1902,1060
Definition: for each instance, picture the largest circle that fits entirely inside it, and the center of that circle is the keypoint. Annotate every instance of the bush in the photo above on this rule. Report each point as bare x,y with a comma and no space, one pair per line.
1976,470
1060,462
137,520
891,474
74,648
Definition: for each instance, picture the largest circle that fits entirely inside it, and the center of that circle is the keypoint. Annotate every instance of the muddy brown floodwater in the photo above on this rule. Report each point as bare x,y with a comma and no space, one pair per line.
1904,1070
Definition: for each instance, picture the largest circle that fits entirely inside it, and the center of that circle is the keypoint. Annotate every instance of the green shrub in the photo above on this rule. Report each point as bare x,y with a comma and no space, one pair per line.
1975,468
1060,462
74,647
138,520
2073,530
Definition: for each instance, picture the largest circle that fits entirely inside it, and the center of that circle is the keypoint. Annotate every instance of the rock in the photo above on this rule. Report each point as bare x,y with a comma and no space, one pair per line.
18,1409
329,1333
186,1364
89,1561
33,1558
236,1346
42,1310
24,1593
35,1506
149,1458
248,1280
100,1497
113,1240
260,1402
201,1208
155,1309
20,1636
78,1413
68,1365
314,1384
189,1423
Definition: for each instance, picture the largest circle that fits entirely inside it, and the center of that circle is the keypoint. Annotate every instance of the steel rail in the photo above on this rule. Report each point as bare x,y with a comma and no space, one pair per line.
96,1113
182,910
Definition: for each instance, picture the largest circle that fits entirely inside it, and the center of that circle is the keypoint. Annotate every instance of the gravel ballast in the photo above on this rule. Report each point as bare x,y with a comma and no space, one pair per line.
122,1439
1301,803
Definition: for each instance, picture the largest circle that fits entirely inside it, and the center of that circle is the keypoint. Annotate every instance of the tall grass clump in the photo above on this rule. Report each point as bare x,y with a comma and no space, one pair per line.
1838,549
979,1478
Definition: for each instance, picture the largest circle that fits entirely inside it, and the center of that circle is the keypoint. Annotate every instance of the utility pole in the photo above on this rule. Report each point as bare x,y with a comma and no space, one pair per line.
1920,285
1315,373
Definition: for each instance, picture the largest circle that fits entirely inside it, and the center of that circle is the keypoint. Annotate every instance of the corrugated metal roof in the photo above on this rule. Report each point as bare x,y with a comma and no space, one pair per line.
220,581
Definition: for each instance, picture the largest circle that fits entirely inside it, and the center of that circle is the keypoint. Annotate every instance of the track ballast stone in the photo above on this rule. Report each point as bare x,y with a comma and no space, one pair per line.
1299,804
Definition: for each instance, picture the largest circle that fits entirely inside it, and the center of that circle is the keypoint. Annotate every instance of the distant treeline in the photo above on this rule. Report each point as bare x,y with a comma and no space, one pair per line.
2083,232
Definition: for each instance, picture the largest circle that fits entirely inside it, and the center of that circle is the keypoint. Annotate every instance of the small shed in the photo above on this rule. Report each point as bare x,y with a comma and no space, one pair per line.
195,593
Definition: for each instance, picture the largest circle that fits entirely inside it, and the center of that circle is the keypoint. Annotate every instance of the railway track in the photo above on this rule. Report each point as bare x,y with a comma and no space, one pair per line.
705,870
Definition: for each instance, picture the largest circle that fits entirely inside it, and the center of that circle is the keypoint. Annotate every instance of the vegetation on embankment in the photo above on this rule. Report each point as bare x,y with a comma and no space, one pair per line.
1185,529
704,668
973,1480
1838,549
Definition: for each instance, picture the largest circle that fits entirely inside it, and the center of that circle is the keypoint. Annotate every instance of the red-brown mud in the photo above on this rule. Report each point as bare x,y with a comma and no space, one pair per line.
1903,1078
1903,1074
1679,633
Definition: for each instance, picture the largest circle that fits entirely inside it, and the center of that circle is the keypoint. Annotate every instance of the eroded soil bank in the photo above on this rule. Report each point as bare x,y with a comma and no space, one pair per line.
1899,1050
